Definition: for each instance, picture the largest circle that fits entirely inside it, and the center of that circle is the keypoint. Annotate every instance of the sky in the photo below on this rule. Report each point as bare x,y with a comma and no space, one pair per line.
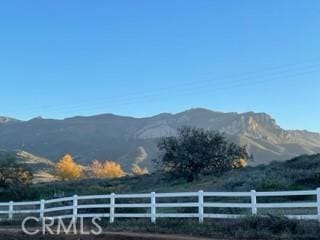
140,58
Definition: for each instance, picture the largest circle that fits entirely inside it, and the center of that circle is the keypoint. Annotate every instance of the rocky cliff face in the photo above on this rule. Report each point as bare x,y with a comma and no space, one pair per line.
114,137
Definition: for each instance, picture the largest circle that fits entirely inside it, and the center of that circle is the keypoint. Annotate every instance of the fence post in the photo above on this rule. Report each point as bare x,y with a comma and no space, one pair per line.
75,207
153,207
318,203
253,202
200,206
11,210
42,202
112,203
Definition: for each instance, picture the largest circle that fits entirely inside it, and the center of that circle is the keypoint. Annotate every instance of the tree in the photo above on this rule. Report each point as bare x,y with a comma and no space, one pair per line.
97,169
139,171
109,169
13,173
67,169
112,169
195,151
136,169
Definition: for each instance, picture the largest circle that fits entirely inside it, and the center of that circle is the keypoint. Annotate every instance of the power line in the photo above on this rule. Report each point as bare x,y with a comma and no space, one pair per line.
195,86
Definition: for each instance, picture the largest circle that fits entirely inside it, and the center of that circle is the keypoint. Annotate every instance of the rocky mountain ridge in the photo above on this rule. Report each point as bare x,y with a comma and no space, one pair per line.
109,136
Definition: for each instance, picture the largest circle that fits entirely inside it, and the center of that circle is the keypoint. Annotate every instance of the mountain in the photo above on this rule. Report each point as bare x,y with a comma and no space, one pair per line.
7,120
125,139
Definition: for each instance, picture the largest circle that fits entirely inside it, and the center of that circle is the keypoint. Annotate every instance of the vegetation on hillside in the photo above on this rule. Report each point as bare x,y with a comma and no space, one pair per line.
14,176
296,174
13,173
139,171
67,169
221,169
195,151
299,173
109,169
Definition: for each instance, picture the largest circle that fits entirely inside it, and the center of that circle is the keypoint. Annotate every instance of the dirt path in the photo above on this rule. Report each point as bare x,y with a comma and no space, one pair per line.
17,234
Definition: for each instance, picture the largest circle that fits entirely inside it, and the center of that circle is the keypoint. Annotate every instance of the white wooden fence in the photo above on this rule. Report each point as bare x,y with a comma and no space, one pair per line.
70,207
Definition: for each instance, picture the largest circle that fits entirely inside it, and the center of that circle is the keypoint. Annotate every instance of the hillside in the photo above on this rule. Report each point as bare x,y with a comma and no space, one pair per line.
41,168
115,137
299,173
296,174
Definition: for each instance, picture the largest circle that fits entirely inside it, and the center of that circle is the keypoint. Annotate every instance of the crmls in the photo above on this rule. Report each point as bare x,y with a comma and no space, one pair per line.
56,226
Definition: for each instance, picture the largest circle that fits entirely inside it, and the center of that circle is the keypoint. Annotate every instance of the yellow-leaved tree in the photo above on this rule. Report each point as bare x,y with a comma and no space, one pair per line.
109,169
68,169
97,169
112,169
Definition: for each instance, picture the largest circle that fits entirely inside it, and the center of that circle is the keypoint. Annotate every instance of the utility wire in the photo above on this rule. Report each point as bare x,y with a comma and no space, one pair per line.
187,88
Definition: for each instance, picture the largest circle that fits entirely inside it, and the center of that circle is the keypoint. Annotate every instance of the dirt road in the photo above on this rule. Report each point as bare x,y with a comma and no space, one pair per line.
17,234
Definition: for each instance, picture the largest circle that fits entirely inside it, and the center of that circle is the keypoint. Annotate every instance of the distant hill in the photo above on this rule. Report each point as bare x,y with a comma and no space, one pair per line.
7,120
41,168
121,138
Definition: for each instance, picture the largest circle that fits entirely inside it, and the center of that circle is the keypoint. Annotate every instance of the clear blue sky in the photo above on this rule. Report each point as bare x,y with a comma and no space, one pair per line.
63,58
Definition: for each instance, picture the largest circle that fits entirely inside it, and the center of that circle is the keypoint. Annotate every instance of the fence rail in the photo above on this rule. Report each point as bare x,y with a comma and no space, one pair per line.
153,205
